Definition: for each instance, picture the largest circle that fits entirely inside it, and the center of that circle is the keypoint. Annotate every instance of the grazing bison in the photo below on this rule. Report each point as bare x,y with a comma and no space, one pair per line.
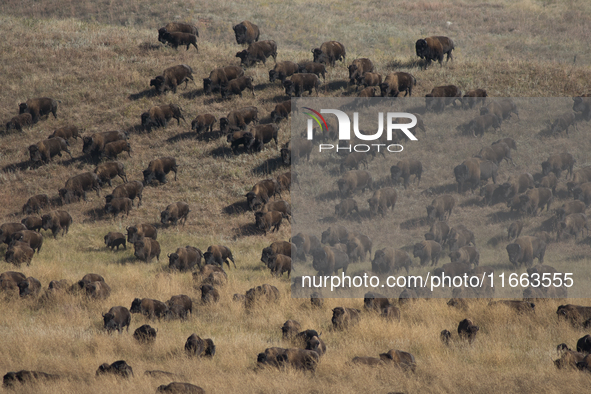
94,145
496,153
172,77
397,82
203,123
209,294
56,221
160,115
178,27
354,180
146,249
304,244
329,52
261,192
138,232
282,70
525,250
239,119
117,318
78,185
158,168
149,307
433,48
114,239
334,235
130,190
39,107
184,259
112,149
118,368
345,208
358,68
473,97
441,96
482,123
300,83
269,221
404,169
328,260
19,252
404,360
32,238
258,52
427,250
116,205
35,204
573,224
301,359
262,134
107,171
467,330
281,111
179,306
389,261
441,207
218,254
295,150
221,76
246,32
44,151
236,86
29,287
558,163
34,223
534,199
145,334
343,318
65,132
514,230
175,39
465,255
381,200
19,121
265,292
175,212
460,236
313,68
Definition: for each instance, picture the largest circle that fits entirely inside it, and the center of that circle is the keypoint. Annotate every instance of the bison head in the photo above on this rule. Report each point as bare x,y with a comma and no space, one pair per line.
240,33
378,265
136,306
515,253
22,108
149,176
546,167
421,48
343,187
418,250
289,87
395,173
207,84
35,153
273,75
161,34
165,217
320,259
384,89
373,205
243,55
286,156
462,173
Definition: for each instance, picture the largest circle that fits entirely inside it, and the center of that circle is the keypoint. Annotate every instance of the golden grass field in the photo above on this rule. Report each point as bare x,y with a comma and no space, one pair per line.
98,58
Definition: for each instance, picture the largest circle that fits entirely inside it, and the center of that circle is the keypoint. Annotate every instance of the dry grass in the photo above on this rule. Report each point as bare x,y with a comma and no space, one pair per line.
97,58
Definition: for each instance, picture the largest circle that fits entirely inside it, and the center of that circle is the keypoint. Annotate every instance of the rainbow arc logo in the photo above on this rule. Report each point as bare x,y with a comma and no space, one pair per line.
317,117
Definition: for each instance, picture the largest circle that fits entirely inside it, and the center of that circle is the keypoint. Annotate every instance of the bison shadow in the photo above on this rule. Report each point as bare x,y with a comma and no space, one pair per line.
209,136
262,86
334,85
408,63
246,230
239,207
145,94
128,259
223,151
23,165
269,166
197,92
502,216
148,46
331,195
95,214
441,189
472,202
182,136
497,240
414,223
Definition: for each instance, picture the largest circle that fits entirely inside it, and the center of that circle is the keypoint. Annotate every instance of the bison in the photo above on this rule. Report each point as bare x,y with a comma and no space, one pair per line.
146,249
329,52
300,83
221,76
246,32
525,250
117,318
172,77
433,48
39,107
56,221
175,212
44,151
115,239
107,171
158,168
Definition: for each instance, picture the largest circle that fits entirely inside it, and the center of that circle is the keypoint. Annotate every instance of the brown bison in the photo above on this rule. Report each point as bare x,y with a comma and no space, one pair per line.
115,239
441,207
329,52
474,97
389,261
158,168
172,77
246,32
441,96
381,200
178,387
56,221
19,121
145,334
184,259
107,171
146,249
525,250
174,39
300,83
39,107
261,192
282,70
354,180
149,307
178,27
404,169
179,306
343,318
175,212
467,330
218,254
328,260
118,368
117,318
236,86
238,119
221,76
77,186
433,48
32,223
19,252
138,232
258,52
558,163
203,123
427,250
35,204
313,68
263,293
262,134
44,151
281,111
397,82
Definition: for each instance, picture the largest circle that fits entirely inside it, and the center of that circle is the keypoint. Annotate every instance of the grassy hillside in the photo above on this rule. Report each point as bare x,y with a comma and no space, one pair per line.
98,57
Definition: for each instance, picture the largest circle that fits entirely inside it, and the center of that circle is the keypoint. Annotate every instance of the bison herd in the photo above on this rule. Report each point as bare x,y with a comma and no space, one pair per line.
331,251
